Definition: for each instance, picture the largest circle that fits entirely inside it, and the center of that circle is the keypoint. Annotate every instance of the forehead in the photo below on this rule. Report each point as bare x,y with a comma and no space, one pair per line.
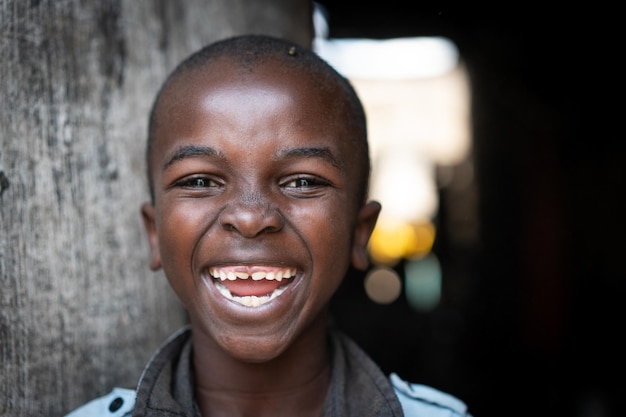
273,74
228,92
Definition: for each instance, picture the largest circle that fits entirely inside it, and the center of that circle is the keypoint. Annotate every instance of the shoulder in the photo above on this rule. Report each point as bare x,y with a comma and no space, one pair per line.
121,402
422,400
118,403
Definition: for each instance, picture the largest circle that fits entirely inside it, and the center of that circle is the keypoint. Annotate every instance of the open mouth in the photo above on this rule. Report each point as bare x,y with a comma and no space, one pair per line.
251,286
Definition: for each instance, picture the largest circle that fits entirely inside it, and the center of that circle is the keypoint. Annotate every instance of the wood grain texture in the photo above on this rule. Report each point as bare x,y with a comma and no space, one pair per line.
80,311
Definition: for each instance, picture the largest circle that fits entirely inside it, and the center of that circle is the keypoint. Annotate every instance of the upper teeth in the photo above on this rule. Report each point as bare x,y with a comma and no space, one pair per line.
278,274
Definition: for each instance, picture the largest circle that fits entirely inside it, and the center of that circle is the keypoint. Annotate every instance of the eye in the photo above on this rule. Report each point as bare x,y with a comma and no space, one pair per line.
197,182
305,186
305,182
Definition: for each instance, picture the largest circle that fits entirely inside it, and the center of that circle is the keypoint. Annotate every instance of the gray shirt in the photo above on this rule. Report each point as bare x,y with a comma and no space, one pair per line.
358,388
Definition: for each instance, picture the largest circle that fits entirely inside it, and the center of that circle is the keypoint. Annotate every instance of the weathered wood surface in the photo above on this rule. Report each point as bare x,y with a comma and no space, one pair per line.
80,311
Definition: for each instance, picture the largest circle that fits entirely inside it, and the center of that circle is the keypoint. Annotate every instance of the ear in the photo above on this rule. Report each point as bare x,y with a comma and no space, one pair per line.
147,213
366,220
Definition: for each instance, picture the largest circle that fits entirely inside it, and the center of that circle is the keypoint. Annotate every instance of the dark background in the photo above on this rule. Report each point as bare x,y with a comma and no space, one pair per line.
531,317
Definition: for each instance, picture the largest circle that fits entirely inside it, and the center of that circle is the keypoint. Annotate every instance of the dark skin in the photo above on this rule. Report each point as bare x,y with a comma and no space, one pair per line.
255,176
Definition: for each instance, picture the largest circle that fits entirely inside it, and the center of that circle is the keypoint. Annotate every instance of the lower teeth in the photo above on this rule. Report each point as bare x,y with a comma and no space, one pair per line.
249,300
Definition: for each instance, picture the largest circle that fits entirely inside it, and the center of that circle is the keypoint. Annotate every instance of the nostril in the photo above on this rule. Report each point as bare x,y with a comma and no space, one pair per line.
250,220
270,229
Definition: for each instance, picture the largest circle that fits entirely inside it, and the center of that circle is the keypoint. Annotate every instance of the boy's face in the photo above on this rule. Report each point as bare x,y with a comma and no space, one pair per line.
254,179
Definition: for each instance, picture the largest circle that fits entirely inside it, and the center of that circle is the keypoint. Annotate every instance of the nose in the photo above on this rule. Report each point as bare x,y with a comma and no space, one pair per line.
251,216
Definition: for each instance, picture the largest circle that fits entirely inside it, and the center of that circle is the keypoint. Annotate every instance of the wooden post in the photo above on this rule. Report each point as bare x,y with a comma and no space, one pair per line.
80,311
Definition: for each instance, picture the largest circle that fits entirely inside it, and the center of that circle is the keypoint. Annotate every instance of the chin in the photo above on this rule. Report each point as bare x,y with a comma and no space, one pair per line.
254,350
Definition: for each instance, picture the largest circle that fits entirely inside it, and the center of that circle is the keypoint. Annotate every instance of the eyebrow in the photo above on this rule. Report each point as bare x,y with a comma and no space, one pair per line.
191,151
309,152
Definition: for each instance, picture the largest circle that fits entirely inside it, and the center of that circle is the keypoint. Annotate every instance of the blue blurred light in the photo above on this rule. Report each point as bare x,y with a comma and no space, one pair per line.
423,282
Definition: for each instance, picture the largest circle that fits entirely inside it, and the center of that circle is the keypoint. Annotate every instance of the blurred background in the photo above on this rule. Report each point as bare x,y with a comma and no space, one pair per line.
497,265
506,290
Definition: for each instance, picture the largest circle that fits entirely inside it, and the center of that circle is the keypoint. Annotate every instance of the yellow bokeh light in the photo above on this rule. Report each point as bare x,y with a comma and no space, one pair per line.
392,241
424,239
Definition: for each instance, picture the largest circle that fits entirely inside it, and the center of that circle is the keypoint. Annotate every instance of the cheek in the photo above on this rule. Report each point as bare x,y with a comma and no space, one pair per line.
328,229
179,233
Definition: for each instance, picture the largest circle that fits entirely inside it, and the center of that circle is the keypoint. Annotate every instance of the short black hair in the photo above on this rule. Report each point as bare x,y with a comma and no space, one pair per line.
247,51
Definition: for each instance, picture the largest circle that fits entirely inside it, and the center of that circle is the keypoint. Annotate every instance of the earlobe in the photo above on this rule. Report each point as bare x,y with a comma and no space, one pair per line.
366,220
147,213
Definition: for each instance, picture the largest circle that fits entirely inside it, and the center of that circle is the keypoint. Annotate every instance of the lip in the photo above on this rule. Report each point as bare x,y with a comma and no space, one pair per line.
251,287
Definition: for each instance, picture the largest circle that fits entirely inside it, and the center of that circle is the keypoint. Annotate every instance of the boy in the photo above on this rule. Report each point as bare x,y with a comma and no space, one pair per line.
258,169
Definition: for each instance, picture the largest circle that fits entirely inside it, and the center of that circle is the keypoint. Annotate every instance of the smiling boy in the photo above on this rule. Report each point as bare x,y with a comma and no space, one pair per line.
258,168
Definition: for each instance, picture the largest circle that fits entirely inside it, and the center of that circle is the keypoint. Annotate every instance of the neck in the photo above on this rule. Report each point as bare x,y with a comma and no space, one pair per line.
293,383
